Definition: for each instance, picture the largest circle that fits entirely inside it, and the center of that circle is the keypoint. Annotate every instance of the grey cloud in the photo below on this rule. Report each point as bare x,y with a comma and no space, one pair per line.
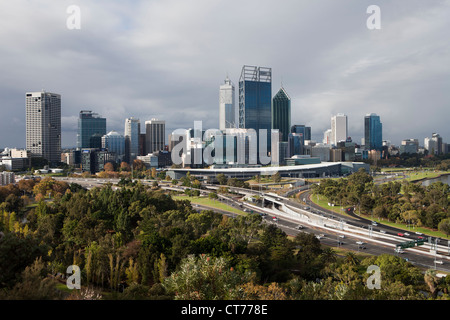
166,59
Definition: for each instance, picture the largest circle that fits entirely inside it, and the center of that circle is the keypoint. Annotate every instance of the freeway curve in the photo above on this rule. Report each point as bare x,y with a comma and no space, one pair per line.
381,239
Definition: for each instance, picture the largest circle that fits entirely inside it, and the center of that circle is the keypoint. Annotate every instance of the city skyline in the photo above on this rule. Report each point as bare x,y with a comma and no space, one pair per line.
121,65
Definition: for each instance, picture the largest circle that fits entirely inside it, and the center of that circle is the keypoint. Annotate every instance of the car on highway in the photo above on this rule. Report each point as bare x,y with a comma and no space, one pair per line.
406,234
374,223
399,250
419,233
420,237
299,227
341,236
439,261
275,219
382,231
400,234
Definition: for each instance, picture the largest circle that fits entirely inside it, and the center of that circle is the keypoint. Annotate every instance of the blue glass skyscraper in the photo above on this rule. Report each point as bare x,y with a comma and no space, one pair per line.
295,144
255,100
373,132
90,126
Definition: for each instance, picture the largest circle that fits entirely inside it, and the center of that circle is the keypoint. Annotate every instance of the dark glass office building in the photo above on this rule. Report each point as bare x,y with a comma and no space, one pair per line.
255,100
91,127
281,113
302,130
373,132
295,145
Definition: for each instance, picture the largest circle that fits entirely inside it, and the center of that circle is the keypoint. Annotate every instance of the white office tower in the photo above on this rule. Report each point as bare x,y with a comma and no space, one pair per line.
132,131
339,124
43,125
327,137
226,106
155,132
434,144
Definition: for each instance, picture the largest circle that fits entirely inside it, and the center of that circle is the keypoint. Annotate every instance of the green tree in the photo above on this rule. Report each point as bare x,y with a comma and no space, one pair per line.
213,196
34,284
276,177
222,179
444,226
16,253
205,278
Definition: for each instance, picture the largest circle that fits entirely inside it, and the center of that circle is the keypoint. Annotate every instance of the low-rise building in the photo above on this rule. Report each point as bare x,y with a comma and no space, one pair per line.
7,178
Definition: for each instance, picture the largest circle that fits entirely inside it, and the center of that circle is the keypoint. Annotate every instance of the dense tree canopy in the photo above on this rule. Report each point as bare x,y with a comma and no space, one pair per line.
139,243
398,202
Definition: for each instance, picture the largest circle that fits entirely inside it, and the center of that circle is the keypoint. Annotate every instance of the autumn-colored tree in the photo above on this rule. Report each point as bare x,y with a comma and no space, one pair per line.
60,187
251,291
39,197
44,187
86,174
103,174
124,166
138,165
26,185
109,167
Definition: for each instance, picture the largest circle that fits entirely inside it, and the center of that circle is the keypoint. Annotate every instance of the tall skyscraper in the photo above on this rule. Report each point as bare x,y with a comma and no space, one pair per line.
255,101
339,124
227,117
155,131
91,127
43,125
131,134
281,113
373,132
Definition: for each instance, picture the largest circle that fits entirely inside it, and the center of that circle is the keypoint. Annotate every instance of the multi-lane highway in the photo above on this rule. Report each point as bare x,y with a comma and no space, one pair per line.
347,232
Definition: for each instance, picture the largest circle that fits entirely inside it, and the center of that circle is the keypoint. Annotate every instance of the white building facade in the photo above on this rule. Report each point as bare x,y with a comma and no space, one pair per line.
227,117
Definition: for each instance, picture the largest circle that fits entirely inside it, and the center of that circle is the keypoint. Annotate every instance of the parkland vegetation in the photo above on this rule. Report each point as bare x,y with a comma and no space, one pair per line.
137,242
402,202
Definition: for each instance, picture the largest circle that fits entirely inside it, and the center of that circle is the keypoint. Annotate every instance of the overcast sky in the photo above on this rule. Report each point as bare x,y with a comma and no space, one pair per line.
166,59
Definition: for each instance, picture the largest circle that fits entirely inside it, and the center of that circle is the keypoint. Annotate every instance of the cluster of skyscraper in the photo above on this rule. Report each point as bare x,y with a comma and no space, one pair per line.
94,142
94,145
256,111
